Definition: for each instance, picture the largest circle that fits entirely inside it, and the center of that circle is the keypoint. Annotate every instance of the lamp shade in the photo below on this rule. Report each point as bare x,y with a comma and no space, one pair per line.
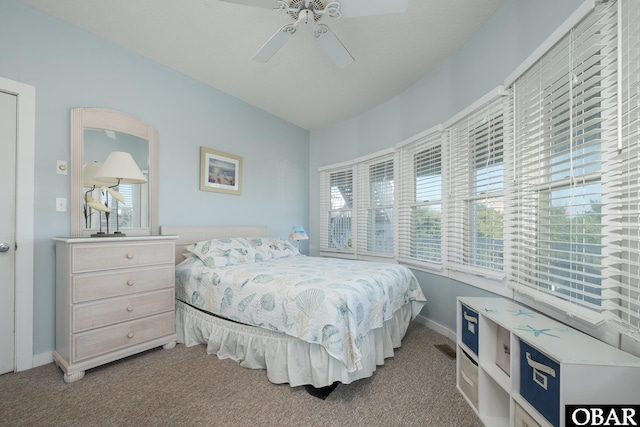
120,167
89,170
298,233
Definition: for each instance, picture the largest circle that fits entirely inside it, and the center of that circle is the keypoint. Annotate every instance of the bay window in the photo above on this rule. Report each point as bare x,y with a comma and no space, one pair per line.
535,186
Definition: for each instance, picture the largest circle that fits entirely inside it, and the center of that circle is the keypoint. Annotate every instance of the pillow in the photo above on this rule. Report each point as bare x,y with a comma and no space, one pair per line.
273,247
239,250
221,252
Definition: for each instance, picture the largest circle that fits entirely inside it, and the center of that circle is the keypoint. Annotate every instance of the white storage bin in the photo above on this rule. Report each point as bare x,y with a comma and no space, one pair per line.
523,419
468,378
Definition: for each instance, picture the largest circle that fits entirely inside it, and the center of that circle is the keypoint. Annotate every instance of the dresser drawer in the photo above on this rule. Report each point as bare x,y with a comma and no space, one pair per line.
106,256
111,338
89,287
114,310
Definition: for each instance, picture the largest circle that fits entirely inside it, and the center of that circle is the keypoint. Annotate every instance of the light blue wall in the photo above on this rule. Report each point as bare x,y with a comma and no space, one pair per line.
71,68
508,37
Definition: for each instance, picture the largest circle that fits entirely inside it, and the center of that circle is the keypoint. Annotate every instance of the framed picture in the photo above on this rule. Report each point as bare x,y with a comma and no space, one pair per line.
221,172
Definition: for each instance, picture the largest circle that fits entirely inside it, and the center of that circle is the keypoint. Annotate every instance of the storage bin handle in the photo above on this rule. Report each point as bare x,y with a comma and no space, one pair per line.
468,318
540,367
466,379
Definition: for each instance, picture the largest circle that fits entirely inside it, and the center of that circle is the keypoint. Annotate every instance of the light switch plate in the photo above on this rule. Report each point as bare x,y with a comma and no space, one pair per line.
61,204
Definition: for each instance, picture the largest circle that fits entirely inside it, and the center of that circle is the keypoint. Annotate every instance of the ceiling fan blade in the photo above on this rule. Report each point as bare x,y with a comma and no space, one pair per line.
267,4
274,43
356,8
332,45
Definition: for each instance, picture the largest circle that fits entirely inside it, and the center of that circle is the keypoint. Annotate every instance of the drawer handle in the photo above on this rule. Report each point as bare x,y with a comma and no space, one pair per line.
130,308
130,282
130,335
129,255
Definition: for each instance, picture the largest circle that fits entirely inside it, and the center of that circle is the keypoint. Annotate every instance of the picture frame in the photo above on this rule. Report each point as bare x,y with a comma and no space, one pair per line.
220,172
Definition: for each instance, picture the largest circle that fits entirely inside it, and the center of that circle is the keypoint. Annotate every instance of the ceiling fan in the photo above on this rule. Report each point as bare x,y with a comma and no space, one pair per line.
310,12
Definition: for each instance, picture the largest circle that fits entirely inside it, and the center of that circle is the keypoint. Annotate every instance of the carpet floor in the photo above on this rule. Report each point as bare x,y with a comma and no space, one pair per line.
187,387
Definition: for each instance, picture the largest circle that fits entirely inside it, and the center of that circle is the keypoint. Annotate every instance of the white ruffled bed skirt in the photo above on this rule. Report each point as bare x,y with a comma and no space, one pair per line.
287,359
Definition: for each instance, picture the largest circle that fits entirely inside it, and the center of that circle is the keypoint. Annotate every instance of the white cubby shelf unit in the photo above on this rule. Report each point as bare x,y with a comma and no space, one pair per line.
516,366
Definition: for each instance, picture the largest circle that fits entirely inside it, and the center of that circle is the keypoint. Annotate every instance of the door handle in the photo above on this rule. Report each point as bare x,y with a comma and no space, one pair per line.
4,247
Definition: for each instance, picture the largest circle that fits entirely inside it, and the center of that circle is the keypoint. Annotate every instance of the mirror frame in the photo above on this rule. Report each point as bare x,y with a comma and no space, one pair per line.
100,118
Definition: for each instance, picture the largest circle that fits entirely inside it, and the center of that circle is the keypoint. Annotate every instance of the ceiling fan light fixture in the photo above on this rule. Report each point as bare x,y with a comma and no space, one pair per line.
303,16
302,10
295,7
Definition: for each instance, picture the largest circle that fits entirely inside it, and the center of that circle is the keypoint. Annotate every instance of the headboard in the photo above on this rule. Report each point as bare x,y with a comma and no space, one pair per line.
191,234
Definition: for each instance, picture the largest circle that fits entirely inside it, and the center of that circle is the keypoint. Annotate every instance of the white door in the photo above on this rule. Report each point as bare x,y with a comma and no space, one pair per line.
8,138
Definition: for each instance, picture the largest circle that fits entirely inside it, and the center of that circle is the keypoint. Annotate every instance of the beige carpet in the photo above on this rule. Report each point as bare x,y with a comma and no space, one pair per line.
188,387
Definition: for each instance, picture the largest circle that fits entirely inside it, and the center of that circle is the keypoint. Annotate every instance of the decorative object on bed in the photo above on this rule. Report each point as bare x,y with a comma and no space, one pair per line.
297,234
219,171
305,320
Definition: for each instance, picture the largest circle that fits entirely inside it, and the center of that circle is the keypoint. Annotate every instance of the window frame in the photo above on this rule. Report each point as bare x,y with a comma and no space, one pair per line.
462,247
408,152
367,206
563,119
329,213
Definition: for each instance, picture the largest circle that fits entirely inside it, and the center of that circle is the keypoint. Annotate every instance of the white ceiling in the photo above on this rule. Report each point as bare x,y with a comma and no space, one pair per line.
213,41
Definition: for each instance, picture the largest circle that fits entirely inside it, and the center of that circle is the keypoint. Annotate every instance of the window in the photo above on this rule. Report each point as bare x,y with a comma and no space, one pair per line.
621,187
476,192
420,227
336,196
374,205
564,119
134,212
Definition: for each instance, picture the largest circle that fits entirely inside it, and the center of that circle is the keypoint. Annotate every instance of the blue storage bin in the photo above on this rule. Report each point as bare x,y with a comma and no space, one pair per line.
540,382
470,328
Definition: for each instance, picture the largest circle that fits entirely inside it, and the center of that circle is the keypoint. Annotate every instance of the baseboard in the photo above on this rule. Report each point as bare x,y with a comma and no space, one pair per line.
42,359
436,327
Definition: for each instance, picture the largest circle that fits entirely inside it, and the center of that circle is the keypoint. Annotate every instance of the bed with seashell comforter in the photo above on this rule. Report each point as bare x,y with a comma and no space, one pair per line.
305,320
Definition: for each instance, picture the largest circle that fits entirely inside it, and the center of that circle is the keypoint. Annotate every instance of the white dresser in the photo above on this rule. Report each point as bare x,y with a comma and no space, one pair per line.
114,298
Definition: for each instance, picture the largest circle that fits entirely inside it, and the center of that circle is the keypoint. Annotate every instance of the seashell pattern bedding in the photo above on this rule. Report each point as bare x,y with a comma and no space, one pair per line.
326,301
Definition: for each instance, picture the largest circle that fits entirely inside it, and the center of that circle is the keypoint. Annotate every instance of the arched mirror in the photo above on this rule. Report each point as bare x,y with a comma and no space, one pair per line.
130,208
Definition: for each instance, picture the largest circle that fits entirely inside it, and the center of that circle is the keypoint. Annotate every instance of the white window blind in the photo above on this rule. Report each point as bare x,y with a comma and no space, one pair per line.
564,113
621,186
336,209
475,207
420,222
374,206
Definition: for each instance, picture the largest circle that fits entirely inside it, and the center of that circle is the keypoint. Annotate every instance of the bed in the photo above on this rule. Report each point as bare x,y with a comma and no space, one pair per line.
310,321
